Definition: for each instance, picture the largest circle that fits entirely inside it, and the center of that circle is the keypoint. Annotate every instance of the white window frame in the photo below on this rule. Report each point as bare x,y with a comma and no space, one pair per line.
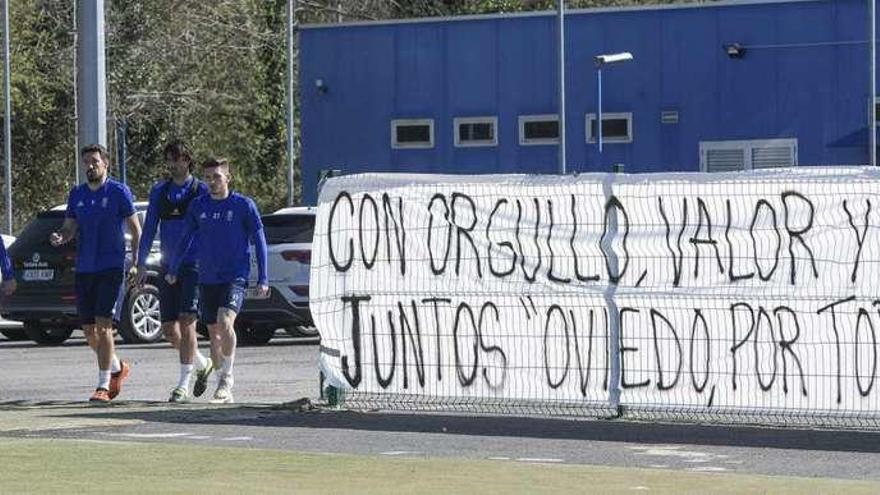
747,146
591,117
476,143
395,123
523,119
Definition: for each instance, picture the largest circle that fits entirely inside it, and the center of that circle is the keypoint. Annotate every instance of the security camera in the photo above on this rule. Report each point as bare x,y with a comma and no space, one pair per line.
735,50
613,58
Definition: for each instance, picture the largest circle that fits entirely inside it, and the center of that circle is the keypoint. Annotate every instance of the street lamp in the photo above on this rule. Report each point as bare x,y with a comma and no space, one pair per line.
602,61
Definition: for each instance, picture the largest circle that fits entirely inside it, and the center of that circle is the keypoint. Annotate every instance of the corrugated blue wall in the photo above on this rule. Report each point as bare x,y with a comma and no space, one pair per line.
804,76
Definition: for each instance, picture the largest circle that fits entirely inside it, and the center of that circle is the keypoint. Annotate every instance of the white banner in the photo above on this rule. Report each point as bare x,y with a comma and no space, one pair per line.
749,291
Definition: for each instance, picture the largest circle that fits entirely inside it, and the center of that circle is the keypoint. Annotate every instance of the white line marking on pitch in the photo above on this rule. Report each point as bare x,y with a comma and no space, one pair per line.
707,469
538,459
670,452
498,458
399,452
238,439
149,435
198,437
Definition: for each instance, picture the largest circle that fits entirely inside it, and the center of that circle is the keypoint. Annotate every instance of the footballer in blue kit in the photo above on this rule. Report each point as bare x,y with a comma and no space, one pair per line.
97,213
227,223
178,303
9,284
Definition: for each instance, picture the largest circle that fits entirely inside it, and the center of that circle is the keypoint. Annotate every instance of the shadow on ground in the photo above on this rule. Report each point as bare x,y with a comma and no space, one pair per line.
302,414
281,340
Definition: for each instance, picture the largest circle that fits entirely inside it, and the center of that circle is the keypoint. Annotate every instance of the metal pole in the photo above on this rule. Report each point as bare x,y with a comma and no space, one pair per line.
561,22
872,129
91,77
76,158
599,113
291,152
7,135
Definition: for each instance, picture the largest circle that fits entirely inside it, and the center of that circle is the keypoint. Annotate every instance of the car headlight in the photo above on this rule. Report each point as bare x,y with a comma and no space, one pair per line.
154,258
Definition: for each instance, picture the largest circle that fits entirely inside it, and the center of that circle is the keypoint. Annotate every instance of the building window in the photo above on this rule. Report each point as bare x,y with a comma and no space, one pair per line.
732,156
877,110
412,133
475,131
616,128
538,129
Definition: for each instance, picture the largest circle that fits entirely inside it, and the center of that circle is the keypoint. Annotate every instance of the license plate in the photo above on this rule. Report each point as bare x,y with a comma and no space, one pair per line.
251,293
40,275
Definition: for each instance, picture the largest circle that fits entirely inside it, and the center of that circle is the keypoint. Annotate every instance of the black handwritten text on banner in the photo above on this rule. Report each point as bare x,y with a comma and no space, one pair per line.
732,291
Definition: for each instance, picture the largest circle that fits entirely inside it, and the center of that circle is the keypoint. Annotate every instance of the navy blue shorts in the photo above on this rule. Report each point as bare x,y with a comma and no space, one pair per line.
180,298
215,296
96,294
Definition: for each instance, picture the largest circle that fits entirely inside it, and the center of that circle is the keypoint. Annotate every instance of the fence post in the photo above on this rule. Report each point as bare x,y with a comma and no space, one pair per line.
610,294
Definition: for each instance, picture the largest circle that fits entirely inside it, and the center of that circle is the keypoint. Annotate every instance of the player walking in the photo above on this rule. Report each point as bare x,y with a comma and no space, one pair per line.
227,223
178,303
96,213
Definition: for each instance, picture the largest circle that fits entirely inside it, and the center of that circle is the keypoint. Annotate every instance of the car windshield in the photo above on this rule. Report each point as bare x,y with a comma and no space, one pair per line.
285,228
36,233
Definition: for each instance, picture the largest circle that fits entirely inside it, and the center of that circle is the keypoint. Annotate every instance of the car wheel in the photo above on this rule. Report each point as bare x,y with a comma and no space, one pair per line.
46,336
140,322
248,335
303,331
14,334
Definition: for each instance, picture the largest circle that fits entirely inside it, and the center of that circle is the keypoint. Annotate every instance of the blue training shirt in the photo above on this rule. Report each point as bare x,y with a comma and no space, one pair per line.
100,216
5,262
226,228
171,230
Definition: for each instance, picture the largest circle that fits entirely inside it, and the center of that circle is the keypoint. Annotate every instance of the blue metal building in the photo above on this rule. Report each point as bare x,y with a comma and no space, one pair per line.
718,86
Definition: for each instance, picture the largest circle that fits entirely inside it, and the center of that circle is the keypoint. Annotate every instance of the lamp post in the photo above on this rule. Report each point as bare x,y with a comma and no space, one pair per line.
7,126
602,61
291,152
872,128
560,20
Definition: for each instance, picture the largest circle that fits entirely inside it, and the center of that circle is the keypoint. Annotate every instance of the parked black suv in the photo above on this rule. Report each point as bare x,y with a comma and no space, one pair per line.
45,301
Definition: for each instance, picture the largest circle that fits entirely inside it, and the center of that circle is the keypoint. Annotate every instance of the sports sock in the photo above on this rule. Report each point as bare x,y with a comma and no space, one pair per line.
226,369
200,360
186,371
115,365
104,379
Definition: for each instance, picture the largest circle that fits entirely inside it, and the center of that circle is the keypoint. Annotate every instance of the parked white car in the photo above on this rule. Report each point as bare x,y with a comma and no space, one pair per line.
289,233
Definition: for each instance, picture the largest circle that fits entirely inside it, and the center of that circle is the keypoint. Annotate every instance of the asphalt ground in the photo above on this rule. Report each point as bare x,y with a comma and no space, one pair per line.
283,370
43,392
